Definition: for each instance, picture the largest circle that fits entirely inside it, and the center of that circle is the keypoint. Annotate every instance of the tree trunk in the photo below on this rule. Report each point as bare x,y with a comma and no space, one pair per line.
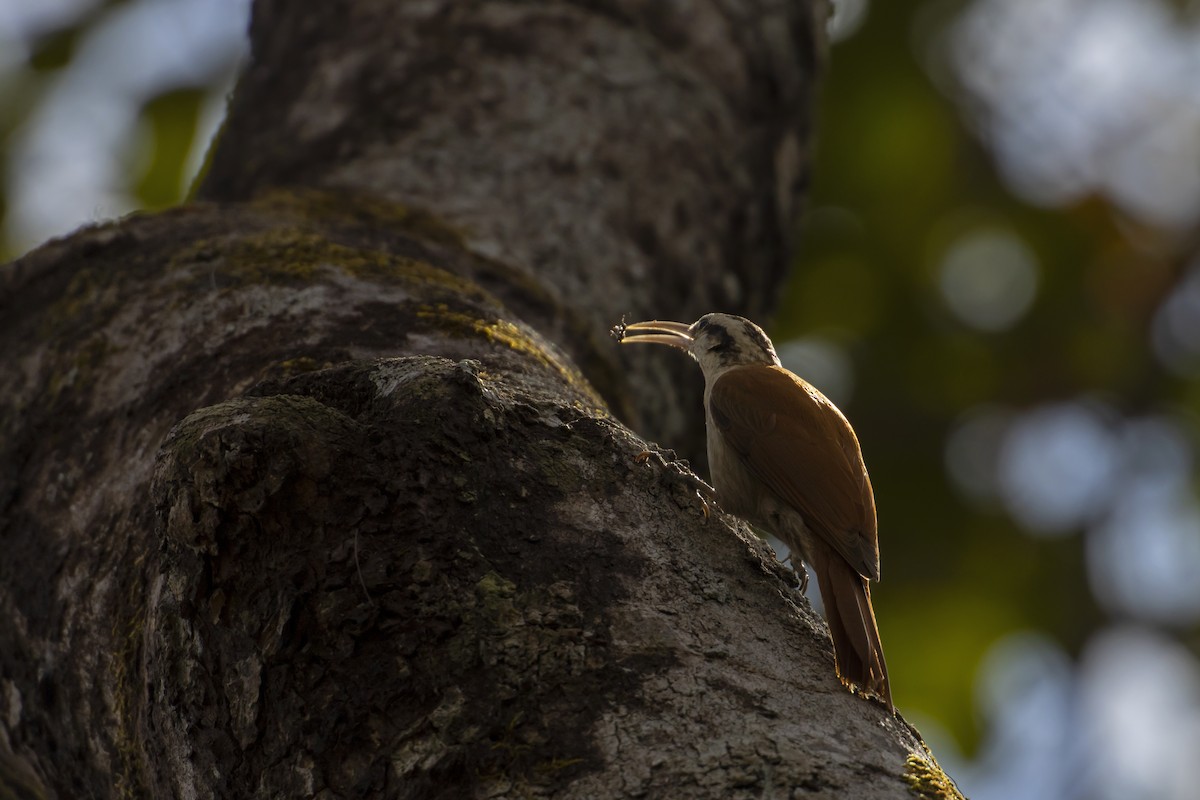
315,487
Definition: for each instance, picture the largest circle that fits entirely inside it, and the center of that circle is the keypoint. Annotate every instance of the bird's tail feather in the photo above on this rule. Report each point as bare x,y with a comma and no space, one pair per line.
851,618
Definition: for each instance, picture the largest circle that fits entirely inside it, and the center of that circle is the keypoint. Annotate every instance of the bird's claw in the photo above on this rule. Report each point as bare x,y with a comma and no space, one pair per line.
800,571
665,457
677,470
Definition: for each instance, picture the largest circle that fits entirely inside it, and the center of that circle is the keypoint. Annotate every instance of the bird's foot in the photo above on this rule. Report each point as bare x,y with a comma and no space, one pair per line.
663,455
678,471
800,570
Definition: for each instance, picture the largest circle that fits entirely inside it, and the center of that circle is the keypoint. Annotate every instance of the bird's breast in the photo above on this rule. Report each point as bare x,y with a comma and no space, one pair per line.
738,491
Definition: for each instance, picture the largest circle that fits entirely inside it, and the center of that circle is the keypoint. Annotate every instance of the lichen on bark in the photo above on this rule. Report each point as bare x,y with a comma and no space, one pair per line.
316,486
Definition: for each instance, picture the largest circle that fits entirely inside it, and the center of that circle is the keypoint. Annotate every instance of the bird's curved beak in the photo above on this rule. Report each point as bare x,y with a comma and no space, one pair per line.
675,334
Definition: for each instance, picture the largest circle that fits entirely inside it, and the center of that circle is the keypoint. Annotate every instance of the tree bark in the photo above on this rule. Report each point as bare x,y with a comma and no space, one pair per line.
315,487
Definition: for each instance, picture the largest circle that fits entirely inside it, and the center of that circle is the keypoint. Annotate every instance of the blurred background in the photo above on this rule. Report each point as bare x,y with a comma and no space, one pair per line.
999,282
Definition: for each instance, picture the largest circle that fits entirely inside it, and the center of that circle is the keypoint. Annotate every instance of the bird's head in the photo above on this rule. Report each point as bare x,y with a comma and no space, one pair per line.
716,341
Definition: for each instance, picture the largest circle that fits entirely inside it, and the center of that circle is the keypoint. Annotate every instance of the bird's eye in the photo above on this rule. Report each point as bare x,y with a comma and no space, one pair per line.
717,347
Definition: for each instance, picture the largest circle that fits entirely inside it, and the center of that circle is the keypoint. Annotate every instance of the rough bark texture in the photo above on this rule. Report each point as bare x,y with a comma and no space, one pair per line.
629,156
302,492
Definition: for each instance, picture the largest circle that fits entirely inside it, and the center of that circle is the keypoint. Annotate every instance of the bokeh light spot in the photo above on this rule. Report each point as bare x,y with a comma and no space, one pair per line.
847,17
1056,468
973,452
1081,97
1144,557
1025,690
823,364
1175,330
988,279
1141,692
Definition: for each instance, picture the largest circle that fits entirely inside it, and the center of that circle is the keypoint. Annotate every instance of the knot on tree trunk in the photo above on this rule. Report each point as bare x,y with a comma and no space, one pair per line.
346,539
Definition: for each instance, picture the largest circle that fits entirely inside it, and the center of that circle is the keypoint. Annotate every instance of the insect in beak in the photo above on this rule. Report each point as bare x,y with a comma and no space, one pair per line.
675,334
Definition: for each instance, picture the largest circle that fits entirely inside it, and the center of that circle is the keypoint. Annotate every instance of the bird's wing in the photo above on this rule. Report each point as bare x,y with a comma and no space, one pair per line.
799,445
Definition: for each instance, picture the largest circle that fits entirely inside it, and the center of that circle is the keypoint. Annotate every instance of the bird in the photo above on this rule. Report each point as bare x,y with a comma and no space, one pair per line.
783,457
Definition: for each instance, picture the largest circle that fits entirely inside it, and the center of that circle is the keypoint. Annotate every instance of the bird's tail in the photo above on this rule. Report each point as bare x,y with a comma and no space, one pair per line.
851,618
